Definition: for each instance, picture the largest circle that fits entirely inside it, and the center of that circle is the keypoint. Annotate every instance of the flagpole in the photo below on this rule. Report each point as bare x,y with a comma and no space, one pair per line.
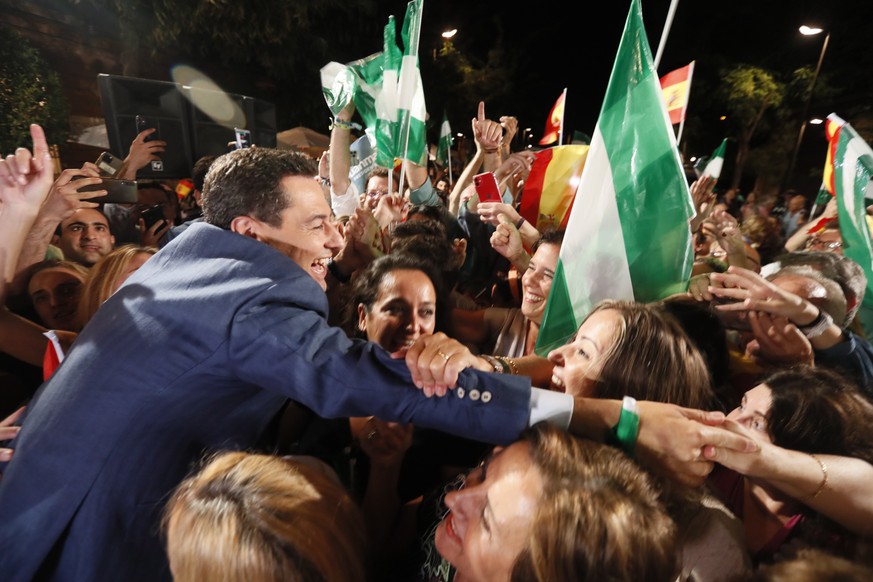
449,155
663,41
563,110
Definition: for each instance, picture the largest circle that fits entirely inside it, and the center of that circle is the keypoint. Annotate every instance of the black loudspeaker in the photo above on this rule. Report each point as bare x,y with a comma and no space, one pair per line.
159,104
214,116
262,122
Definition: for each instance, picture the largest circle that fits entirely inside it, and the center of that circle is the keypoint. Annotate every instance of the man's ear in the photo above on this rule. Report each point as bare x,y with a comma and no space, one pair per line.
362,317
246,226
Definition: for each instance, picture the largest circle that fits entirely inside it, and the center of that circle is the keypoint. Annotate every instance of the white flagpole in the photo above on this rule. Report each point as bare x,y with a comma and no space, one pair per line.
563,111
449,155
667,25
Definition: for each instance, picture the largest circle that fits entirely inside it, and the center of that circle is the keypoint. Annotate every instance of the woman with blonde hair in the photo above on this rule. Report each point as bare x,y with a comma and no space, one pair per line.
259,518
108,274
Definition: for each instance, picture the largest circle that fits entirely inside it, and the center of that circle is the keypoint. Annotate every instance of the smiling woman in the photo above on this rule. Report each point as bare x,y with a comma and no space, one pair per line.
551,507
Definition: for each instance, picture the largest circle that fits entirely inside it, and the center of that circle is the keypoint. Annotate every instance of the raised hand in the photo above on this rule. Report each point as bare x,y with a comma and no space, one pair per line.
25,177
749,291
505,238
778,340
436,360
143,152
488,134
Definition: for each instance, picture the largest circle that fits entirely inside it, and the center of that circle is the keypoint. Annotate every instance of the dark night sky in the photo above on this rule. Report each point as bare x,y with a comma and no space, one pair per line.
565,49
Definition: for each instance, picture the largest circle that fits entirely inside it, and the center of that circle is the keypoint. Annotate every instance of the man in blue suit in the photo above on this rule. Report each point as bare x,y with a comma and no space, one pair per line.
199,351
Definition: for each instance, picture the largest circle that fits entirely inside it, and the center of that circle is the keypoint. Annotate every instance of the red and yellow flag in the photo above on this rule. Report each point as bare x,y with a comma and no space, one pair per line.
551,185
676,86
555,122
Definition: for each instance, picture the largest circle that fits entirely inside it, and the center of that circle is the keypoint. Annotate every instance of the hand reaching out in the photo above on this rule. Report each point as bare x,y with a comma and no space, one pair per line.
777,340
704,199
385,443
510,125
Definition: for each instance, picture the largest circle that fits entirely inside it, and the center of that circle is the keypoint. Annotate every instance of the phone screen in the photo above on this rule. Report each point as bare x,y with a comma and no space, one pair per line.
486,187
243,138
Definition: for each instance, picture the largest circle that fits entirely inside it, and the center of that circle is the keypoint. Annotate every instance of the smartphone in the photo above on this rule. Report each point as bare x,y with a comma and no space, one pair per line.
118,191
486,187
142,124
152,214
108,164
243,138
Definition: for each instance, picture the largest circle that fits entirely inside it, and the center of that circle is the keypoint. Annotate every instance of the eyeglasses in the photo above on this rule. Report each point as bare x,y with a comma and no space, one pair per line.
377,193
825,245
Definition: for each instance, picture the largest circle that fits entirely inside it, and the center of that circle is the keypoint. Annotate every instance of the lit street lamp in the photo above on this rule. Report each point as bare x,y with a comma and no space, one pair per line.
806,31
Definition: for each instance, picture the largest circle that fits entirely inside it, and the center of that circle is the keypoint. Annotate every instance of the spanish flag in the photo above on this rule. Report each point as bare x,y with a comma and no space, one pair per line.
676,86
551,185
555,123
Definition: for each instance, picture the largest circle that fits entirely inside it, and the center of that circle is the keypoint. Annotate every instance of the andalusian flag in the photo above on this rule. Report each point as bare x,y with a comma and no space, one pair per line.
444,148
716,161
628,235
400,107
852,168
388,99
360,80
555,123
676,86
551,185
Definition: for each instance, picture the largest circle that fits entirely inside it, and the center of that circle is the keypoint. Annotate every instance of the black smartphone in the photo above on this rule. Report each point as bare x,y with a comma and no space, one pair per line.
243,138
142,124
152,214
118,191
108,164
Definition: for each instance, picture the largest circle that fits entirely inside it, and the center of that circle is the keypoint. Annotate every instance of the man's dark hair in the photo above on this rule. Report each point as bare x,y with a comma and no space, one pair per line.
247,182
201,167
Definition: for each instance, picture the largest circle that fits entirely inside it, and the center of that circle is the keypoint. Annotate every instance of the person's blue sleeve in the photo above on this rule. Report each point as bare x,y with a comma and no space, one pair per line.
425,194
853,357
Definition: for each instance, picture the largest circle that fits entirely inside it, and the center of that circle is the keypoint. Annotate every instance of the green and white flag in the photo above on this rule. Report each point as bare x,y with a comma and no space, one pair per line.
413,110
360,80
387,101
852,172
716,161
627,236
400,106
444,147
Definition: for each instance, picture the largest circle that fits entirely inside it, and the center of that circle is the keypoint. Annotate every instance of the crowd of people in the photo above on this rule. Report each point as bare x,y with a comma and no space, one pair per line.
307,376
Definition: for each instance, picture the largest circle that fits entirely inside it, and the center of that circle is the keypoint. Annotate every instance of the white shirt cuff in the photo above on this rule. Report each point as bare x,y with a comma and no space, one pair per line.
550,406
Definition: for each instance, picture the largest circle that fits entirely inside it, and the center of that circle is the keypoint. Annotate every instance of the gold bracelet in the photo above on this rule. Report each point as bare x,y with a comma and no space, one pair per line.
824,478
513,367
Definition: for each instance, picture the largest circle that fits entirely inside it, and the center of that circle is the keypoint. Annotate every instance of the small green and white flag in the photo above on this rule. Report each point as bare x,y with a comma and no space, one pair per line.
360,80
444,147
716,161
627,236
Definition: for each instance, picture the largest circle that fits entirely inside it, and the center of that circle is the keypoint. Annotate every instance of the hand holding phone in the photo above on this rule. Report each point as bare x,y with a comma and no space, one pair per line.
152,215
486,187
117,191
142,124
108,164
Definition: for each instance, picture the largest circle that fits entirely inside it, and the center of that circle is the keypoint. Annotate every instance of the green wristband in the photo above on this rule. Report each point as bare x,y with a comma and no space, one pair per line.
628,427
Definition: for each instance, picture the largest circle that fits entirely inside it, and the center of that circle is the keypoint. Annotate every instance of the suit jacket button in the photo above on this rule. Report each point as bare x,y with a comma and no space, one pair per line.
460,392
474,394
486,396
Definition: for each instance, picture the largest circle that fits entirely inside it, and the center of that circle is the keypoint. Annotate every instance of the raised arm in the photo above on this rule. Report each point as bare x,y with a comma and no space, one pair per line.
835,486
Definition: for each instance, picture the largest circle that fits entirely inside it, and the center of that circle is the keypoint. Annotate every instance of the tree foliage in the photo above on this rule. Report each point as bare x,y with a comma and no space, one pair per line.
30,92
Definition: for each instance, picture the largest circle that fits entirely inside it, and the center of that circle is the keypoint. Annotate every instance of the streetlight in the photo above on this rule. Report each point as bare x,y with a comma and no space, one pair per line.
449,33
806,31
447,40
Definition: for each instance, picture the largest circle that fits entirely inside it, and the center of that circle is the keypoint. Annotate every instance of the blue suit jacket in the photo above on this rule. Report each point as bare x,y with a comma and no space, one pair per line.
197,352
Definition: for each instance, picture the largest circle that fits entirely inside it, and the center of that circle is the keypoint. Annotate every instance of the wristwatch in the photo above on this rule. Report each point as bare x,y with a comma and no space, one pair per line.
818,326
